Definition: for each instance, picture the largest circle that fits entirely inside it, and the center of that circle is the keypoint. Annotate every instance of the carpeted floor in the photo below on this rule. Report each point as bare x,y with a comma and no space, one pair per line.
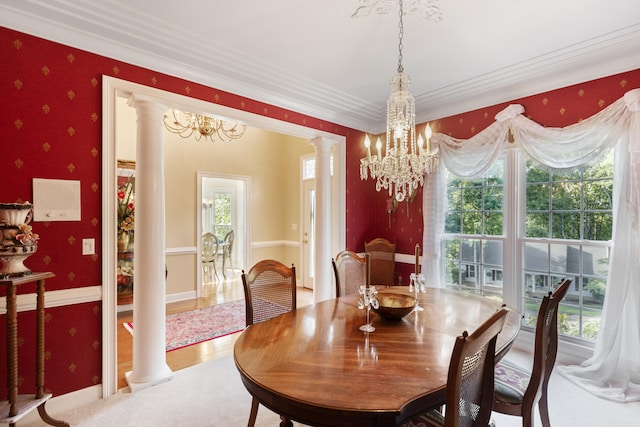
195,326
212,395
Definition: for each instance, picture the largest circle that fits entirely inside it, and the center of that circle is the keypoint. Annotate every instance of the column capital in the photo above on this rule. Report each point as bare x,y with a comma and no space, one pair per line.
323,144
137,100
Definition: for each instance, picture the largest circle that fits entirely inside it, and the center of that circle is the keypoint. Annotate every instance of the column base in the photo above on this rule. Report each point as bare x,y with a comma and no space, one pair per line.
137,385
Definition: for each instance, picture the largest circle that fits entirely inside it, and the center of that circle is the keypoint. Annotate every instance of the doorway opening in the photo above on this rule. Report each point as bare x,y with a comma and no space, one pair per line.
223,206
115,90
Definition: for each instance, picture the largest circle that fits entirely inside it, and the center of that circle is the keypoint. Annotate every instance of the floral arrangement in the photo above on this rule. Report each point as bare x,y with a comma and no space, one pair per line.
126,208
26,236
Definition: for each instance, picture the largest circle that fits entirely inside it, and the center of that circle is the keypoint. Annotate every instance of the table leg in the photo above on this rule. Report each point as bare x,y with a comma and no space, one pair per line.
39,339
12,349
40,315
48,419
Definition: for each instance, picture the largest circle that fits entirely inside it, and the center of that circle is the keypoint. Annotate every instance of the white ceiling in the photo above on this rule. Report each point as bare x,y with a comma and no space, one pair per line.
311,56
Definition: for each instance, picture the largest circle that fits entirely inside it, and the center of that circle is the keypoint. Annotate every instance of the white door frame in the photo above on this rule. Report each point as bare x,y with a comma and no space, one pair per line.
113,88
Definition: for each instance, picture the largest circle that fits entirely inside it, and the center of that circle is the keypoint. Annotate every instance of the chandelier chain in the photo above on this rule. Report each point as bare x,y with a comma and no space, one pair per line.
400,36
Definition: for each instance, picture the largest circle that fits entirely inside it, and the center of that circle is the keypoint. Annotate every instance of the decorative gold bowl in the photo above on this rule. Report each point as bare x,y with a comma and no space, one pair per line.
394,306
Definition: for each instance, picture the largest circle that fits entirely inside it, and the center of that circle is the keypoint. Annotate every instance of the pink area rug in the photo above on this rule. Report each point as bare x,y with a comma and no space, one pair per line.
204,324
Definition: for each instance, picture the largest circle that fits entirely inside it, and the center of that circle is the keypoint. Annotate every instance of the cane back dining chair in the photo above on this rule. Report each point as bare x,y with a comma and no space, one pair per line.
350,271
517,390
269,291
382,256
469,392
209,251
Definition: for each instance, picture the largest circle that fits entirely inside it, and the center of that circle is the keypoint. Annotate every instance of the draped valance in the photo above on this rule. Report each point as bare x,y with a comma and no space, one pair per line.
613,371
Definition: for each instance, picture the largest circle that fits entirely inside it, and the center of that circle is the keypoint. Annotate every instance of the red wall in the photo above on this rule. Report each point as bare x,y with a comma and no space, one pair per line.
50,127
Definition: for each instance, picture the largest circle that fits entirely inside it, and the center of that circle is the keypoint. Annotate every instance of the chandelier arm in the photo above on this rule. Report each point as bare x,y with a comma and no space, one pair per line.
201,126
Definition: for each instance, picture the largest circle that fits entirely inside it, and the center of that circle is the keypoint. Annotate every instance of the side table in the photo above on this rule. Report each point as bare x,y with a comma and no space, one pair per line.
17,406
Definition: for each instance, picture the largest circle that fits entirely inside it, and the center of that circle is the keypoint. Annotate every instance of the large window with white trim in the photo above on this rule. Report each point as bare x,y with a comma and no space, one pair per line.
563,230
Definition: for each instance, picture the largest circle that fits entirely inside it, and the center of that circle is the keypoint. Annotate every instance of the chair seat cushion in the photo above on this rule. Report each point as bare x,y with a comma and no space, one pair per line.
511,382
431,418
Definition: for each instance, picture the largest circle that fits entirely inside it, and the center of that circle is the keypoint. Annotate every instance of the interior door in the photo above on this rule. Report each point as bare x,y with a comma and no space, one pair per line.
308,232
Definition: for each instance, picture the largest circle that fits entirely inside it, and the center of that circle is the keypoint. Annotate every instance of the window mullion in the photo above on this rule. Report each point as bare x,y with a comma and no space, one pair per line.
514,203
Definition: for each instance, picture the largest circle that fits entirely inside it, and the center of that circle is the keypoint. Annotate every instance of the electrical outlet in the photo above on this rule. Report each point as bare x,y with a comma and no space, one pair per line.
88,246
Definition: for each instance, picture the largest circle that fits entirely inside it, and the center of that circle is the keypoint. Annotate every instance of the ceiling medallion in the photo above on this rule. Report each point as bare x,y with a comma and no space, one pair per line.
428,9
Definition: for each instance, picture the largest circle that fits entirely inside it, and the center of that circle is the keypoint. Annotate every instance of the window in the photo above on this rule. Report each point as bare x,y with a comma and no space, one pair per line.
565,232
568,229
217,212
309,167
474,233
222,214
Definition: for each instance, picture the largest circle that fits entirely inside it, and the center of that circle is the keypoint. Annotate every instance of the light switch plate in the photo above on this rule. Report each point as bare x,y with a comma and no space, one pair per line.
88,246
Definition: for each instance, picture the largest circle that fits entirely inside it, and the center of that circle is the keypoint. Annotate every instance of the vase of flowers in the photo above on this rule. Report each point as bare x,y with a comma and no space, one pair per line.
126,215
17,239
126,223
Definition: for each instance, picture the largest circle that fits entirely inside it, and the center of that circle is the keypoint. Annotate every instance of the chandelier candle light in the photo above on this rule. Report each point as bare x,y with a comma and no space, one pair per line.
405,161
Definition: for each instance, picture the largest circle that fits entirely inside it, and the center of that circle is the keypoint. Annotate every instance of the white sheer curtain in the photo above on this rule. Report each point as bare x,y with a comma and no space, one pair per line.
614,370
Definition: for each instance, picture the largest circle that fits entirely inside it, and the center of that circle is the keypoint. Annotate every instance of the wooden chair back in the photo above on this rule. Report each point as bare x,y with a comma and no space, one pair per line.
519,390
469,396
546,341
382,256
269,290
350,271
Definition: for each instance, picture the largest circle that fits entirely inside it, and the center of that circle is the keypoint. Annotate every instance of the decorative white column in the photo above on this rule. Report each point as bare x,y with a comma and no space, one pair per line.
149,337
322,286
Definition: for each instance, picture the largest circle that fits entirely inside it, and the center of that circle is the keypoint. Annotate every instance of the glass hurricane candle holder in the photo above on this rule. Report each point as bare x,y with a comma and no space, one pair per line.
417,284
367,298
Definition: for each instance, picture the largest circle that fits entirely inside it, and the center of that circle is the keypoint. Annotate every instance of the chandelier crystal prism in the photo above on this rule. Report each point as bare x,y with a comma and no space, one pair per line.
406,160
186,124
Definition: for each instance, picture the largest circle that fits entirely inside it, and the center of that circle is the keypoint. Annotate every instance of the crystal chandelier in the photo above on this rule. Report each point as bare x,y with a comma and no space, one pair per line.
186,124
405,162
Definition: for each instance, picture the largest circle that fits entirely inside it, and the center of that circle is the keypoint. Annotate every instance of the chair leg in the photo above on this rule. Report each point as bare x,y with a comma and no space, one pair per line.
527,416
285,422
254,413
224,266
543,407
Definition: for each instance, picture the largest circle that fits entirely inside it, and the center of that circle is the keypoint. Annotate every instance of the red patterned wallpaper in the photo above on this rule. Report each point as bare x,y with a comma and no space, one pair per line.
51,128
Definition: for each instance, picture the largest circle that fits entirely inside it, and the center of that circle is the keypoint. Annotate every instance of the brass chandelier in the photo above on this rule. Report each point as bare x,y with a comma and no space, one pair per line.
186,124
405,161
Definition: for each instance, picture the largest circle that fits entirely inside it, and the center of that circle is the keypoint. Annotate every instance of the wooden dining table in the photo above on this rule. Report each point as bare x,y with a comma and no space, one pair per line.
315,366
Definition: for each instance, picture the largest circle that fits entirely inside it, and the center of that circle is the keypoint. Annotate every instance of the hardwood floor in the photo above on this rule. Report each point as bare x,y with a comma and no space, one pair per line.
228,290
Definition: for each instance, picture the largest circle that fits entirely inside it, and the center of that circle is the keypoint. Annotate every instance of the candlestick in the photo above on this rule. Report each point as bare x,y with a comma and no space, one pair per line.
428,134
367,260
417,267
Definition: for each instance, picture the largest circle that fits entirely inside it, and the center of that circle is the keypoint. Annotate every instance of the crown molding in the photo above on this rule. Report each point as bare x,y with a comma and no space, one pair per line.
111,31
